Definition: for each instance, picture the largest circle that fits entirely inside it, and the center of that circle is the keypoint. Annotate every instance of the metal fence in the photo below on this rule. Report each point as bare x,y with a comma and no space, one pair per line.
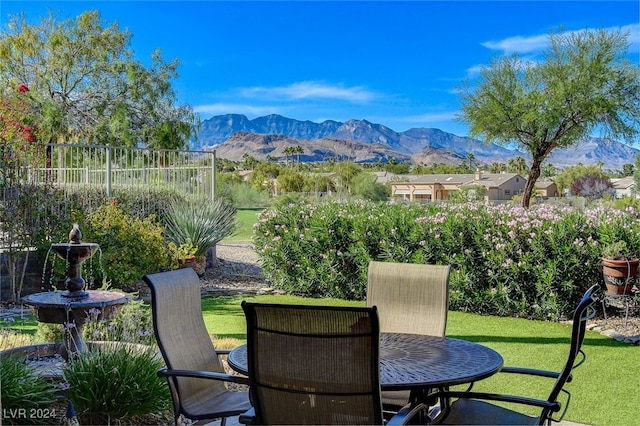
107,167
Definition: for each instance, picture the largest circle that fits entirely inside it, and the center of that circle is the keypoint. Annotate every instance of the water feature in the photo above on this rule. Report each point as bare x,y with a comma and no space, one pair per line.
75,306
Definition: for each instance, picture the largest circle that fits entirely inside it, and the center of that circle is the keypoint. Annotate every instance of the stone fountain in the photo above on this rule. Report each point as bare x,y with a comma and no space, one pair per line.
75,306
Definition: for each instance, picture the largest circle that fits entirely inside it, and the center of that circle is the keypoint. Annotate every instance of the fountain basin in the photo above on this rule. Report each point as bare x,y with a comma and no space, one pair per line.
74,251
54,307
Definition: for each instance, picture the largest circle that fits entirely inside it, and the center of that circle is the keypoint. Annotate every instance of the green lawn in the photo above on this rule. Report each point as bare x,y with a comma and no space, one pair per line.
246,218
605,389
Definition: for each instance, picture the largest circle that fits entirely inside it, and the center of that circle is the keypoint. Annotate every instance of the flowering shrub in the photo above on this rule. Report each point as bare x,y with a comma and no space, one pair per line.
505,260
130,247
133,324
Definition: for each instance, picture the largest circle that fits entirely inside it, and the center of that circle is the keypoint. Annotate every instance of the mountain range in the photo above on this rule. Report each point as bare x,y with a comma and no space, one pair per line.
233,135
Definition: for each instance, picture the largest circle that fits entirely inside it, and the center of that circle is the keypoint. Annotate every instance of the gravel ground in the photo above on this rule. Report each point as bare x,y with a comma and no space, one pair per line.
238,272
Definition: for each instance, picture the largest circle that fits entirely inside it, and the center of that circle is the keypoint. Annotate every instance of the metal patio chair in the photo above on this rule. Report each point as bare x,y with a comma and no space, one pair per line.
314,365
411,298
194,372
472,408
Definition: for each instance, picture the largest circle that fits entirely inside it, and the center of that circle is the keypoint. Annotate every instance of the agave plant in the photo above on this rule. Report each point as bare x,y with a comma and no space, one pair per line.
201,224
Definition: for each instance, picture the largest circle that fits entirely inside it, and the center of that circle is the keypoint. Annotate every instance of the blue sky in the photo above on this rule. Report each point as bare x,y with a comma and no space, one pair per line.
389,62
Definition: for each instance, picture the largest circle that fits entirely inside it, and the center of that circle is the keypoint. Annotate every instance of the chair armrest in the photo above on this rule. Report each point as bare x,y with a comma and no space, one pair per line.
248,417
406,414
165,372
534,372
553,406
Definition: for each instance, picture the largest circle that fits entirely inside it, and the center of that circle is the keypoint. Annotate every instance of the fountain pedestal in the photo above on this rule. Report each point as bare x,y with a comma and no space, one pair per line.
75,306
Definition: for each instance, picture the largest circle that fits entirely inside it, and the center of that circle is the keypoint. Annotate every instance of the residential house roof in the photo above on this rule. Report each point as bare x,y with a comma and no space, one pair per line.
489,180
623,183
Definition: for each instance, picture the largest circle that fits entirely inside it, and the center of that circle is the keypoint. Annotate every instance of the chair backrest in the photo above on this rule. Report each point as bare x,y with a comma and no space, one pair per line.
583,312
176,307
313,364
411,298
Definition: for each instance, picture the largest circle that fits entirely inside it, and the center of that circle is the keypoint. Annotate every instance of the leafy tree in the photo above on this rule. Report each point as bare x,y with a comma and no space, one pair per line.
248,161
366,187
346,171
569,175
290,180
318,183
468,193
226,180
397,168
439,168
88,87
627,170
263,174
584,82
592,186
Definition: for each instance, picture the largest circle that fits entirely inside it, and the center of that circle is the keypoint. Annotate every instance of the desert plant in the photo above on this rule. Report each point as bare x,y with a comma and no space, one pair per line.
616,250
25,395
116,383
200,223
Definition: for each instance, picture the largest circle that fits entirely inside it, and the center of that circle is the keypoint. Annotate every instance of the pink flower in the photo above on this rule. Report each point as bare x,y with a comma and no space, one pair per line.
23,88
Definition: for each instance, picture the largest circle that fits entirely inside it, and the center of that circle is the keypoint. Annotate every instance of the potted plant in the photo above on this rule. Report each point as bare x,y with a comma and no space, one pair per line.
199,225
185,254
619,268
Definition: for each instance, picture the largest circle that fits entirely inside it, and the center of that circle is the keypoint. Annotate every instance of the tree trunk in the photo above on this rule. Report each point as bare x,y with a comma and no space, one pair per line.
529,188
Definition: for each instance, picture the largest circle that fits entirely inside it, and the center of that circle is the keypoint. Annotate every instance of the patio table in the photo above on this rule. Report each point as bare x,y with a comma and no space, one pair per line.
418,362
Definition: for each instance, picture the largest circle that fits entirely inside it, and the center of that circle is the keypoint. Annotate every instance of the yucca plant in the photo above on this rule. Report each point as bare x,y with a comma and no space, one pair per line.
200,223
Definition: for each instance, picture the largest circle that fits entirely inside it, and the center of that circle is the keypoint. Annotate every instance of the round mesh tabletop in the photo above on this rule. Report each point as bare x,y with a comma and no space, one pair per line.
410,361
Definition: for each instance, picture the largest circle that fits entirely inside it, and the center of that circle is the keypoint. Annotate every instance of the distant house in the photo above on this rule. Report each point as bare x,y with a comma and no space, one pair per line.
624,187
546,188
386,177
244,174
499,186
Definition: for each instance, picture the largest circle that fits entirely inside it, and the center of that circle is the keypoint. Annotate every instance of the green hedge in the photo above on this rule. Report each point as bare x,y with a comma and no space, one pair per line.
533,263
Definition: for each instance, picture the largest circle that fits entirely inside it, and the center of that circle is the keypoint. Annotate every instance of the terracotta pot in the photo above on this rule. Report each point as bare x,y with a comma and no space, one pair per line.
186,262
620,275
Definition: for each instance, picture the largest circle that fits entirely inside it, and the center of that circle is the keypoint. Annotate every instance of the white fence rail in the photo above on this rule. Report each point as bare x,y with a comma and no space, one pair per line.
191,172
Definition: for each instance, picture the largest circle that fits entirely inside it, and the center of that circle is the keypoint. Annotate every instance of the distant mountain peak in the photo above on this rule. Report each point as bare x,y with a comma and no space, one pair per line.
420,145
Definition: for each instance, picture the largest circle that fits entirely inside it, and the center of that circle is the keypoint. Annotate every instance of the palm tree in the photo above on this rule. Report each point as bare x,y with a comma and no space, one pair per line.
288,151
471,158
498,167
298,150
517,165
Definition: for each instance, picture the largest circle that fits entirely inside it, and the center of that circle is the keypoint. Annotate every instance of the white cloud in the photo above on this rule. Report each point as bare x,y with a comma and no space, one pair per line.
311,90
537,43
518,44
